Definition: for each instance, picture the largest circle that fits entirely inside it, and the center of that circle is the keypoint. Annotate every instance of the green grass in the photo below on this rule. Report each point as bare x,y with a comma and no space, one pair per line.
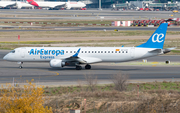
110,87
175,51
159,86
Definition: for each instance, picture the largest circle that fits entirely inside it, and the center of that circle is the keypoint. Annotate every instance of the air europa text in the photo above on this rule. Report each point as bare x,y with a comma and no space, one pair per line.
46,52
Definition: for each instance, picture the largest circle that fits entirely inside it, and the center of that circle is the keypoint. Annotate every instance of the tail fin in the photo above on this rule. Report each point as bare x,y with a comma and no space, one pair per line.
157,39
32,2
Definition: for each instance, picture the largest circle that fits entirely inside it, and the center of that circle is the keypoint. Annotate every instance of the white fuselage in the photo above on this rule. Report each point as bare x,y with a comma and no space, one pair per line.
70,5
89,54
49,4
67,5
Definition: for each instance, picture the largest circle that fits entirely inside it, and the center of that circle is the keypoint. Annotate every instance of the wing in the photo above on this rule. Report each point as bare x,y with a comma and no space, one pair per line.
82,60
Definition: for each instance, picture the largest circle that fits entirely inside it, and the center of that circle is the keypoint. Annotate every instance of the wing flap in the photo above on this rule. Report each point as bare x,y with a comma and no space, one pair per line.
90,60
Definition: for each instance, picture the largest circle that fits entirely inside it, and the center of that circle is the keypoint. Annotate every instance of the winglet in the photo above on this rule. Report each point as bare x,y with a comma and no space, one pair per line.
77,53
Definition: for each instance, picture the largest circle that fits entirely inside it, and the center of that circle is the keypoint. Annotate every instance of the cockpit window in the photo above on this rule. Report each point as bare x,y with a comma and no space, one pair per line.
13,51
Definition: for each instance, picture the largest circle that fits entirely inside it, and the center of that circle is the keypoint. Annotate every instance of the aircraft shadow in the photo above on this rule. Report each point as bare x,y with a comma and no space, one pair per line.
73,68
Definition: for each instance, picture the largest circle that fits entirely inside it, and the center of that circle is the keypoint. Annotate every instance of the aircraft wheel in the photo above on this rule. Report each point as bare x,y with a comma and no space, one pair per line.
78,67
88,66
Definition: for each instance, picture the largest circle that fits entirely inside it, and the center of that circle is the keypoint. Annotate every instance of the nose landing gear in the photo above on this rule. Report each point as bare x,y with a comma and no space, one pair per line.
20,66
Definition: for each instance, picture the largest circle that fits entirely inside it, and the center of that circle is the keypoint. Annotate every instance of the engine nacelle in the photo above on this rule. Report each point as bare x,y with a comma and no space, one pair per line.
18,5
56,63
68,5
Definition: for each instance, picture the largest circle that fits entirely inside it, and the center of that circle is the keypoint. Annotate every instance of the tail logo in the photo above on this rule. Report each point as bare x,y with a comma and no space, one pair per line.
157,38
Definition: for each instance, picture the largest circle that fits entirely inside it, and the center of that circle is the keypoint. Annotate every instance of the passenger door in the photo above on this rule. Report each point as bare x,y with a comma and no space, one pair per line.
132,52
23,52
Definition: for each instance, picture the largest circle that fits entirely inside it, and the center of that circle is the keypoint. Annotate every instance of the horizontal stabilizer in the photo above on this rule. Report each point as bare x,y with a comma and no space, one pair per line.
167,50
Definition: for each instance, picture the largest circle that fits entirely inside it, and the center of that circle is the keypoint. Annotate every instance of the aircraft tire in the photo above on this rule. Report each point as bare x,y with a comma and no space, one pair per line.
88,66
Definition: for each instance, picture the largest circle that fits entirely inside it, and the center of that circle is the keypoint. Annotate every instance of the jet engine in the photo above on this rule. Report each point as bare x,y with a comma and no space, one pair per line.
18,5
68,5
56,63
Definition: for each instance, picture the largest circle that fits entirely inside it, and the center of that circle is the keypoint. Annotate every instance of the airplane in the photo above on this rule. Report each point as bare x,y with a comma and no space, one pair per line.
57,5
77,56
15,4
74,5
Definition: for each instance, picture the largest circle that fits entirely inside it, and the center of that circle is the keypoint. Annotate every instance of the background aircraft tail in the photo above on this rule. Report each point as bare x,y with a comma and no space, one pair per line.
157,39
32,2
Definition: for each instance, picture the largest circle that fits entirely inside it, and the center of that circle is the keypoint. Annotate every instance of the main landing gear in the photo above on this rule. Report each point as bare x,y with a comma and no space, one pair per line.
20,66
78,67
88,66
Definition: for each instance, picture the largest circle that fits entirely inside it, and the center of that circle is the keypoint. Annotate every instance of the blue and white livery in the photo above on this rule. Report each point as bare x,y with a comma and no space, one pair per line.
77,56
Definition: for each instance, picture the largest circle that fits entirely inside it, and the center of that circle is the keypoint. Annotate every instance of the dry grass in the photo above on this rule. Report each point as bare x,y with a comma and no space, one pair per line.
122,101
153,97
120,81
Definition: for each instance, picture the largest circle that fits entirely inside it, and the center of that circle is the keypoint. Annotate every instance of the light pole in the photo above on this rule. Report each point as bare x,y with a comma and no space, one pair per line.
99,4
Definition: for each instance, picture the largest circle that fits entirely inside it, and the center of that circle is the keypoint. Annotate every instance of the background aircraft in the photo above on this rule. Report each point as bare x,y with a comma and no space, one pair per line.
57,5
15,4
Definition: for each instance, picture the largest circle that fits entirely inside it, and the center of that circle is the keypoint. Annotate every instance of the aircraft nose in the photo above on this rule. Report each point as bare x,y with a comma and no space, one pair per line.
5,57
